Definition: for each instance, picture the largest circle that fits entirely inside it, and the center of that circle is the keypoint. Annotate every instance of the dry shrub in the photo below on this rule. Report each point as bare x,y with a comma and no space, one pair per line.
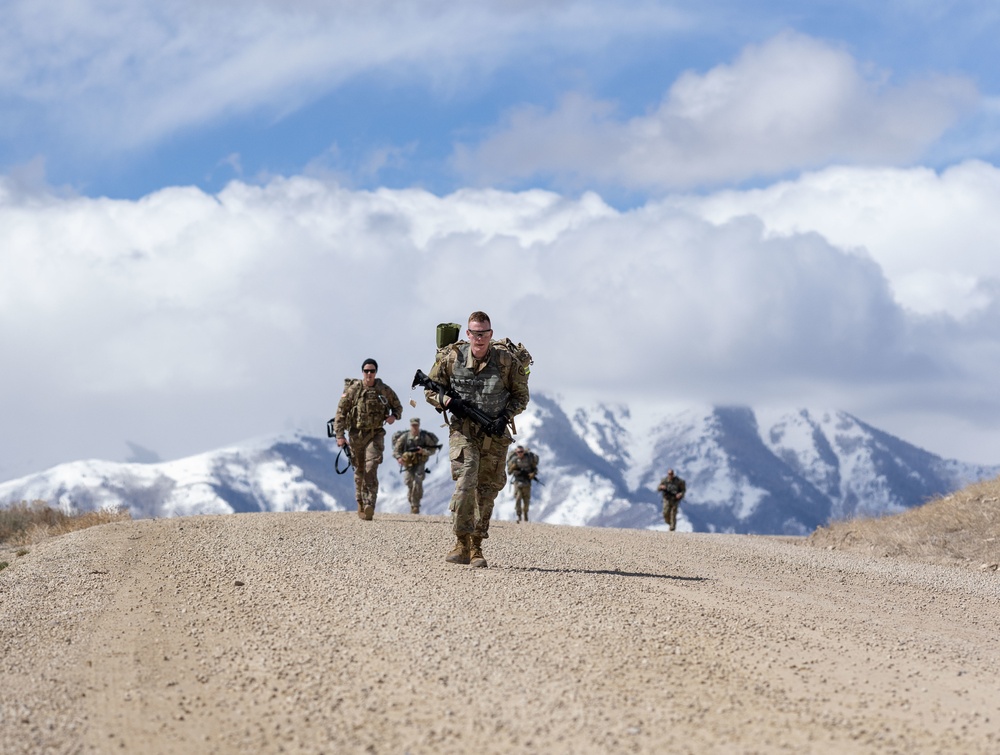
25,523
961,528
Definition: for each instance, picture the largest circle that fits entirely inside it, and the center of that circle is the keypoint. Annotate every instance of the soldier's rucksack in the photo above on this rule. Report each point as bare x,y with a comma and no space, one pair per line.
395,439
522,357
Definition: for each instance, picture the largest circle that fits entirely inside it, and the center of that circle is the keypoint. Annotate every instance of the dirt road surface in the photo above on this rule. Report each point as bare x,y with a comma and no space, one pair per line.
321,633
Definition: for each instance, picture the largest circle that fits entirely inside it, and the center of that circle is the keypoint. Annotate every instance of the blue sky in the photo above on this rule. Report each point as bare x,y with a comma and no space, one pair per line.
210,214
138,96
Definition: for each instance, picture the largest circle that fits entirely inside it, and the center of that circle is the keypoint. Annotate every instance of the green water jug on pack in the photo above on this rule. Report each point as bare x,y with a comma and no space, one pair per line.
447,333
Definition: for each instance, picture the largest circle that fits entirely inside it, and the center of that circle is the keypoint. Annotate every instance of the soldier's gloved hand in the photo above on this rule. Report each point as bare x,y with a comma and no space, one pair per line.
456,405
499,425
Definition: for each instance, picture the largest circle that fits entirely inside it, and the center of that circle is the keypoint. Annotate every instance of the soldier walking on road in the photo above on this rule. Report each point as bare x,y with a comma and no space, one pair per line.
412,449
485,374
522,465
673,489
365,406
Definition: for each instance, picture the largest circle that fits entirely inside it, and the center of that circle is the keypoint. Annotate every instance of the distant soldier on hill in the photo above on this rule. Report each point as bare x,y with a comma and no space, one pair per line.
365,406
673,489
522,466
412,449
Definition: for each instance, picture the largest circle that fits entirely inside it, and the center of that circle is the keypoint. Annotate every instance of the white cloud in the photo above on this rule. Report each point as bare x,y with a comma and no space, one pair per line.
184,320
791,103
125,73
933,234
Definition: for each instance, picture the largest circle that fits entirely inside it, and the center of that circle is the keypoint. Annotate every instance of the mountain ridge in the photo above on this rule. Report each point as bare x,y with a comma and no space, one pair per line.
784,474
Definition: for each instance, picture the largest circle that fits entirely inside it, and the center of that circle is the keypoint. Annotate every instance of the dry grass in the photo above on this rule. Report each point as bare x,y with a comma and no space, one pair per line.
26,523
960,529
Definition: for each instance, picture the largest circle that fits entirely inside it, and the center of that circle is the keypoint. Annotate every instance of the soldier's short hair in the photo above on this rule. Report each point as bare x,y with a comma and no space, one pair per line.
479,316
370,361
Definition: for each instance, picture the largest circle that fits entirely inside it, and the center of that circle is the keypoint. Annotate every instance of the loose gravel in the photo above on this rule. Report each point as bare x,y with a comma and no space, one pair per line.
321,633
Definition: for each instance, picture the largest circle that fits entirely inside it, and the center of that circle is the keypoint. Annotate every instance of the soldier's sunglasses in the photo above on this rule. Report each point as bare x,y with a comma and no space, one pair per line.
369,372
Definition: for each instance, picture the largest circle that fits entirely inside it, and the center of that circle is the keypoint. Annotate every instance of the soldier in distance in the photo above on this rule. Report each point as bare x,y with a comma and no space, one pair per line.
365,406
412,449
673,489
522,465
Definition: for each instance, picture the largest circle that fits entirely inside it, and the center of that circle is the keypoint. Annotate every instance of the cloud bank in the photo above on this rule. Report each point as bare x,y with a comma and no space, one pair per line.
185,320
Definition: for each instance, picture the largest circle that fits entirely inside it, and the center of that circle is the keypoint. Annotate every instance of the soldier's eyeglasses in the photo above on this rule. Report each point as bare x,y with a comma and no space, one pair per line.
369,372
480,333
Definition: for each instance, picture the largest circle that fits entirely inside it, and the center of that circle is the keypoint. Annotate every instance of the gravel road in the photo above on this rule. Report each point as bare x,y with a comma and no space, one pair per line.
318,632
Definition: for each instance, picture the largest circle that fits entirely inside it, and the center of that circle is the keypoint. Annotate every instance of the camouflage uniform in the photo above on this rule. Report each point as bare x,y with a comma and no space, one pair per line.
412,451
361,413
673,489
523,468
496,384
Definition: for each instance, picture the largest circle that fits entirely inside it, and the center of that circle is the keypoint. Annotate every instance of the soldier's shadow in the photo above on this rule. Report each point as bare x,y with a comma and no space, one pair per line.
608,572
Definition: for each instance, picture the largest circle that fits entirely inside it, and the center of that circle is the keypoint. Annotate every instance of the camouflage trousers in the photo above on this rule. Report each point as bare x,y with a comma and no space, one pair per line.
414,478
670,511
478,467
522,499
367,447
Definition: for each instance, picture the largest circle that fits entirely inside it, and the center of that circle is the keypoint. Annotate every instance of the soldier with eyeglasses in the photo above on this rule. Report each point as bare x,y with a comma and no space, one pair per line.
485,374
365,406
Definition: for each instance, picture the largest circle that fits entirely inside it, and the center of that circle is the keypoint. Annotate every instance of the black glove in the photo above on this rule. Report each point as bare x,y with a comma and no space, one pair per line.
456,406
498,426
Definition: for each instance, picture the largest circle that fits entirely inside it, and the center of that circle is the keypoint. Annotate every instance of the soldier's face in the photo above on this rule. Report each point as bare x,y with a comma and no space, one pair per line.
414,430
479,336
368,375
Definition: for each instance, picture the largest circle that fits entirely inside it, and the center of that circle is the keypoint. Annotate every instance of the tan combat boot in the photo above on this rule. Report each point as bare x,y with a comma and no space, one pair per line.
361,510
476,553
369,512
460,553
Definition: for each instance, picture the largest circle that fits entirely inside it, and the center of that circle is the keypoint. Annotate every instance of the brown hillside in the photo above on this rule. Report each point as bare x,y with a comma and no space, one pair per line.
960,529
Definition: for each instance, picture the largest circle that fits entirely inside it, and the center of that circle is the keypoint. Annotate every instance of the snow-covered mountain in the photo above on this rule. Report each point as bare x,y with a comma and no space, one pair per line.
785,473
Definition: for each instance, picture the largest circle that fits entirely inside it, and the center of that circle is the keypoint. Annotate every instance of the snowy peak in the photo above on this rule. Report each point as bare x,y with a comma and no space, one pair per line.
600,464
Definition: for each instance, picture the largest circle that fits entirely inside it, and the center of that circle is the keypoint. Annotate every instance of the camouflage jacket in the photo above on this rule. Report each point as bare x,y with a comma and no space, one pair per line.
362,408
496,384
669,488
412,450
523,468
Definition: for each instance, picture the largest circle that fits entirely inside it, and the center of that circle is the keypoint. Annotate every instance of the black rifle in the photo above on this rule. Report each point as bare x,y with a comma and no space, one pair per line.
465,410
513,477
